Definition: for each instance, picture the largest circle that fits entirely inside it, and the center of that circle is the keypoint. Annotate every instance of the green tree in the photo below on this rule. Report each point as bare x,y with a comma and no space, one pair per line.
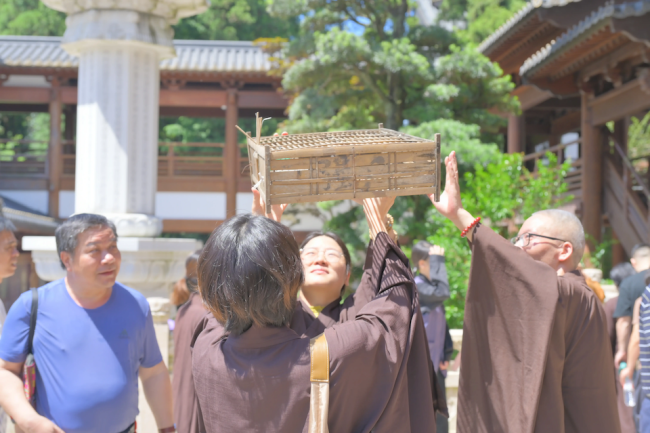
481,17
30,18
369,53
237,20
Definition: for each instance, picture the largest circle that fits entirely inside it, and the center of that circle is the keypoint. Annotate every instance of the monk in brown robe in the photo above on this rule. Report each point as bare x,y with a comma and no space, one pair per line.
536,353
189,315
256,377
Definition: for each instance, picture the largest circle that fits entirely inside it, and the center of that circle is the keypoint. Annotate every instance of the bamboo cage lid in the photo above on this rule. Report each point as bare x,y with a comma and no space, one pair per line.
362,137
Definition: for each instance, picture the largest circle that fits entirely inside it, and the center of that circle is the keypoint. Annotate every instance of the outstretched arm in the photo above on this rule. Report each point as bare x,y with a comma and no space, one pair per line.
259,207
450,205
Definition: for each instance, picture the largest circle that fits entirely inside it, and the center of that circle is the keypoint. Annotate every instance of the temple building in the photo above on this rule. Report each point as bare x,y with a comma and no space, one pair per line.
581,70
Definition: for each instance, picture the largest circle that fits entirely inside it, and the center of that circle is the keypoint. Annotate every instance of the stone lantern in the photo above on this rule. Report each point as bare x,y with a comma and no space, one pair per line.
120,44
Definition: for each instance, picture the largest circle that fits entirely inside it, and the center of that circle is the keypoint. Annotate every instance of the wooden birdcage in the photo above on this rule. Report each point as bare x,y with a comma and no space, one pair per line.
323,166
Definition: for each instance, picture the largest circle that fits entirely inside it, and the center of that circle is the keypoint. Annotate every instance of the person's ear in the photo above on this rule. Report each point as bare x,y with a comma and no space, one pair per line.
633,262
66,259
347,280
566,252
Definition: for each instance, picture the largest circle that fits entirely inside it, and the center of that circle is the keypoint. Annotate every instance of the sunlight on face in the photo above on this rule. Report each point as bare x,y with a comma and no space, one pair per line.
325,272
96,261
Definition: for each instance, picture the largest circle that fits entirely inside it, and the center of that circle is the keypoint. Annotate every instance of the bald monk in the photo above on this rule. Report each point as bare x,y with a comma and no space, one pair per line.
536,351
256,377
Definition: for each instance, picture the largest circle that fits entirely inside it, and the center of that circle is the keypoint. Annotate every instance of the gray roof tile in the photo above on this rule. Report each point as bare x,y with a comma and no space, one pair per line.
623,10
208,56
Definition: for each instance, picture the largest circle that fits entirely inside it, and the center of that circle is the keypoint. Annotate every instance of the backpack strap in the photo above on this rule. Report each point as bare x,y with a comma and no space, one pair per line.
32,321
319,377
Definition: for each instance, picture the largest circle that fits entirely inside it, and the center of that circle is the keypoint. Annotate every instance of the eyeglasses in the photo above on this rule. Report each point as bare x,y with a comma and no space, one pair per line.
525,239
310,254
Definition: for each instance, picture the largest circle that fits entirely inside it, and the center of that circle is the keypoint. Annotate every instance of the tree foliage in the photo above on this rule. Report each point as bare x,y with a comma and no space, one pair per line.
30,18
481,17
352,51
237,20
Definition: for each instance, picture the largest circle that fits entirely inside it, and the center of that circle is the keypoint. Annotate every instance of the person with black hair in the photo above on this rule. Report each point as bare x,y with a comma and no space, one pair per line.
629,291
256,377
433,289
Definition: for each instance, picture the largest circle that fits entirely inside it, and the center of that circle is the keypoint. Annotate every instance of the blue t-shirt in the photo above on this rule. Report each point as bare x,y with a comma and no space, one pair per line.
87,361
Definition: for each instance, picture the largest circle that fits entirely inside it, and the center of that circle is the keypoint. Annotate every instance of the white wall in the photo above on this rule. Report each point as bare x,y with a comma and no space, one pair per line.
244,202
191,205
35,199
66,204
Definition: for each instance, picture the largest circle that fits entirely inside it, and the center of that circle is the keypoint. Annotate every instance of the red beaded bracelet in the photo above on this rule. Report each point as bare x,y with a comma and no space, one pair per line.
464,233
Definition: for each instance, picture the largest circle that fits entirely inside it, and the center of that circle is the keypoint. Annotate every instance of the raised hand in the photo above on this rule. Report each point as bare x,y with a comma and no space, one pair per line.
450,205
376,210
259,207
450,201
436,250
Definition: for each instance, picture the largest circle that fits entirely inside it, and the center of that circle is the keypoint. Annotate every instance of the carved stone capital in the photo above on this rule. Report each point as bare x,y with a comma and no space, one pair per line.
170,10
136,225
95,27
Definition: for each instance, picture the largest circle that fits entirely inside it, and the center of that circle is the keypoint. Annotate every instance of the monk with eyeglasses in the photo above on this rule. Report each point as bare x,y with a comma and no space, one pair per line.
536,355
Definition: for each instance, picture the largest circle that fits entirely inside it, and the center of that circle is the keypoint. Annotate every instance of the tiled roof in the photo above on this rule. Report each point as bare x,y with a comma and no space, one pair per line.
217,56
517,19
623,10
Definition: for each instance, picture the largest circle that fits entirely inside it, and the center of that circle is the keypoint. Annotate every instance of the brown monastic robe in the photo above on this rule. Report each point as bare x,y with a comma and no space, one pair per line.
187,319
536,352
381,377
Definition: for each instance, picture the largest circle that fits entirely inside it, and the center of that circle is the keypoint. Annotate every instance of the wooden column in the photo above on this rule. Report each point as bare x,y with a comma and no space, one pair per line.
592,170
231,154
516,134
55,157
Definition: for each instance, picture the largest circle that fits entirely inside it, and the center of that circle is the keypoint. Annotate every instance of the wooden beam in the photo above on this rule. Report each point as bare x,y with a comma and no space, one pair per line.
592,171
190,226
55,154
627,100
262,100
192,98
567,123
231,154
69,95
33,95
530,96
516,133
24,108
23,183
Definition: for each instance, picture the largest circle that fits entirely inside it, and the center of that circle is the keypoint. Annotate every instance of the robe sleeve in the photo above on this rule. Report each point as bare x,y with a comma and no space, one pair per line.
509,313
365,291
373,349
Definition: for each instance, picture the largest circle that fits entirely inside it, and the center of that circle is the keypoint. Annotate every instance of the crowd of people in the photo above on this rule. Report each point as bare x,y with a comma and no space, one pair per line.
268,337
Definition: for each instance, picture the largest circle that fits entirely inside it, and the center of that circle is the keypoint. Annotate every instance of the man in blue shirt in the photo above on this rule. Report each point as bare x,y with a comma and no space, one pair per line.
93,339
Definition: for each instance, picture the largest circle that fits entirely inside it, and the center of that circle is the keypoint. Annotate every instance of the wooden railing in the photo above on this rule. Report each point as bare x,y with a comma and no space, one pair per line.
23,158
626,196
573,177
29,159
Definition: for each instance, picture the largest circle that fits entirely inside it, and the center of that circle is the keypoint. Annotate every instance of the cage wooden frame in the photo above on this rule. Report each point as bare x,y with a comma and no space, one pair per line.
341,165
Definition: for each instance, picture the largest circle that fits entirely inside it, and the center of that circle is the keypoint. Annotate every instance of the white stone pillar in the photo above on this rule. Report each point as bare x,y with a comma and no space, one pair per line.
117,114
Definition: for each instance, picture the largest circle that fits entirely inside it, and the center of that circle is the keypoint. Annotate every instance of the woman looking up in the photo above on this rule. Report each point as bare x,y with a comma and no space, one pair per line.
256,377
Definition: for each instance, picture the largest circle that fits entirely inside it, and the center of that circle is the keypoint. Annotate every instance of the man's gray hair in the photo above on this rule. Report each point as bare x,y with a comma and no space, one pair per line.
67,234
571,227
6,224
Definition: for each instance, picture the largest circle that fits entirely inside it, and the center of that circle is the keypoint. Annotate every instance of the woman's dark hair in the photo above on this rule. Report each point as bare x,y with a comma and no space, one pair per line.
250,272
337,239
621,272
420,251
